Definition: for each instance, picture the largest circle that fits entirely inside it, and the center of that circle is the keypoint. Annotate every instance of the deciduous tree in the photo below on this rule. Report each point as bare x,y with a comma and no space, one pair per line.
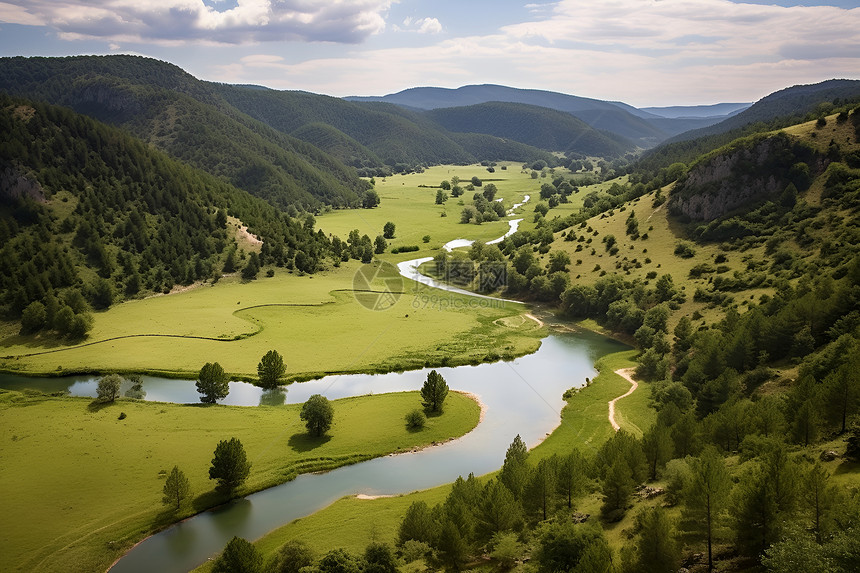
230,466
317,414
239,556
108,388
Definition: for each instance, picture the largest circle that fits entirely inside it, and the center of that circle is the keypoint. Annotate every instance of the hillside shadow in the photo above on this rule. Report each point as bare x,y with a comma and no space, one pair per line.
304,442
38,341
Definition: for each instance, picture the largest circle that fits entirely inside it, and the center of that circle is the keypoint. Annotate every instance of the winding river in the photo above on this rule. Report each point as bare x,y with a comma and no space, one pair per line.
523,396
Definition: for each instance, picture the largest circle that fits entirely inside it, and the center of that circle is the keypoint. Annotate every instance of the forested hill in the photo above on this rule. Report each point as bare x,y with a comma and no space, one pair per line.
777,110
644,128
533,125
369,135
89,215
187,118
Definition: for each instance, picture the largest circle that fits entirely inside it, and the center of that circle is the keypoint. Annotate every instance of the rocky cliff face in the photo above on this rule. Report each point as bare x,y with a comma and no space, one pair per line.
100,98
15,186
746,172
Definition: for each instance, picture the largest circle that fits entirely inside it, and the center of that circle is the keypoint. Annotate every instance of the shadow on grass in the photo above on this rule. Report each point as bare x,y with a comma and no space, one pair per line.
415,429
847,466
433,413
304,442
97,405
209,499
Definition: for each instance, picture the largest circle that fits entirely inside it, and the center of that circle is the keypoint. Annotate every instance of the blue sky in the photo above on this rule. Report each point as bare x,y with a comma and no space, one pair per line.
643,52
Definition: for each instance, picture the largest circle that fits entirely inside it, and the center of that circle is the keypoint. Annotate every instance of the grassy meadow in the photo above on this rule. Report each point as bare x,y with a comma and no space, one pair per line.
82,486
315,322
412,208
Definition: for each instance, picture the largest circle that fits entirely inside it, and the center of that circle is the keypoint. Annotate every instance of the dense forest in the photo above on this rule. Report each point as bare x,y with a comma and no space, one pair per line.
161,104
91,215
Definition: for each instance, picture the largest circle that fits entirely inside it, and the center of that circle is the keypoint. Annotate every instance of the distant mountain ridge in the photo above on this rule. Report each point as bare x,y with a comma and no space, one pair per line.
646,129
540,127
792,102
697,111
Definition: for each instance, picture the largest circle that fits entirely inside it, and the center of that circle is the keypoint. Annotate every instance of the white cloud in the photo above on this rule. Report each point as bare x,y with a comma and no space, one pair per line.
428,26
420,25
645,52
173,22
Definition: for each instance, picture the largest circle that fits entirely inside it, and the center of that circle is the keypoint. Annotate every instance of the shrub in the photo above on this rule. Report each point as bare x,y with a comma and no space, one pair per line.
685,250
415,419
404,249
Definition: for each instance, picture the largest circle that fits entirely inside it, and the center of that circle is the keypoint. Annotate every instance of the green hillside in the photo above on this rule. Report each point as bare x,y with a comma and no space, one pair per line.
537,126
90,215
778,110
163,105
373,134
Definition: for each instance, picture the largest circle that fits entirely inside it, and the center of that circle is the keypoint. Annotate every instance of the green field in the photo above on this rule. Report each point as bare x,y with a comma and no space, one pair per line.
315,322
352,523
414,211
82,485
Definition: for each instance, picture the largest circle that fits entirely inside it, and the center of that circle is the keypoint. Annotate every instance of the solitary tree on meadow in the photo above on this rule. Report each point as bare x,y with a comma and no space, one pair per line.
434,392
108,388
317,414
271,369
388,230
212,383
230,466
176,488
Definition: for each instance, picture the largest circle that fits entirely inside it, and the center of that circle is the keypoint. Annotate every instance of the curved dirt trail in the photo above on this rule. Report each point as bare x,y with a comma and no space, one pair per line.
625,373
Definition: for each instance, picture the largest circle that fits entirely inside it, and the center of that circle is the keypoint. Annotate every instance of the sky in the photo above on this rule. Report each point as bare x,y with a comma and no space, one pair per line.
641,52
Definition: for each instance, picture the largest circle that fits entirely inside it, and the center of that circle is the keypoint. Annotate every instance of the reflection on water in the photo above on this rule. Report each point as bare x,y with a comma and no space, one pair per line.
273,397
521,397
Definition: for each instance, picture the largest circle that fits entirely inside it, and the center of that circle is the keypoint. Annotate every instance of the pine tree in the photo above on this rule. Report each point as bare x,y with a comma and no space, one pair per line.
176,488
515,471
434,392
705,497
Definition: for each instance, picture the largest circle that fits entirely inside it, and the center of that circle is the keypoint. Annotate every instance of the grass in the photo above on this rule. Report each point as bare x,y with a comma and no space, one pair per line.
315,322
414,212
352,523
82,486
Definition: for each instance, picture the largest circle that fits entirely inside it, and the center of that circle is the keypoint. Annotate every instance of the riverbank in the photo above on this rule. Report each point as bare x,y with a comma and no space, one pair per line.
84,486
584,424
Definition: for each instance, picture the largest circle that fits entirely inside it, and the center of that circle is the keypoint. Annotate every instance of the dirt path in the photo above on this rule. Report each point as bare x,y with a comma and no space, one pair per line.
625,373
536,319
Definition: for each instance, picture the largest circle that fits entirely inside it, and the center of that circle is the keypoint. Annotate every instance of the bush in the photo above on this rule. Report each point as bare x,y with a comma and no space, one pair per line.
415,419
685,250
404,249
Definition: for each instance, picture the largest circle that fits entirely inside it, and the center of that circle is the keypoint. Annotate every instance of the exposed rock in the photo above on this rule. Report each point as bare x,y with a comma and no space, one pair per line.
751,170
15,186
828,456
648,492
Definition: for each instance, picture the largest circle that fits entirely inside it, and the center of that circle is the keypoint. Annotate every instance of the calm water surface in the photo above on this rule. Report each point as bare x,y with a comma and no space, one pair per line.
521,397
